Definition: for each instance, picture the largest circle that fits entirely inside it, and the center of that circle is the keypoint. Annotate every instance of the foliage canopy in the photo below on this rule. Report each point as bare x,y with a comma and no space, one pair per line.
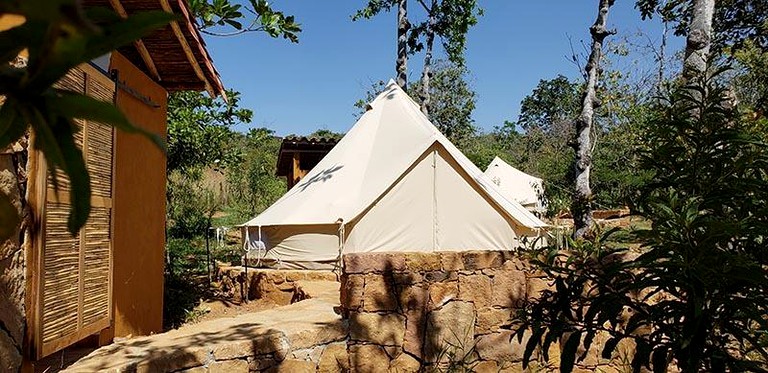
697,290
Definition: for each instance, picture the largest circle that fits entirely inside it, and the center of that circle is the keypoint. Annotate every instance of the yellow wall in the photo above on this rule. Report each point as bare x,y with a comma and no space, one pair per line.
139,208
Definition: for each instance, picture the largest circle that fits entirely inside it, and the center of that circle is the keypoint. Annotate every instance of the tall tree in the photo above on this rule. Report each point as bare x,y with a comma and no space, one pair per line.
199,130
699,39
734,21
581,207
452,96
375,7
426,73
401,65
453,101
448,20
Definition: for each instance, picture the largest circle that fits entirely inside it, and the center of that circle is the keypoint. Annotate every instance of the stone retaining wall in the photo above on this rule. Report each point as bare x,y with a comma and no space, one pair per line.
279,286
411,311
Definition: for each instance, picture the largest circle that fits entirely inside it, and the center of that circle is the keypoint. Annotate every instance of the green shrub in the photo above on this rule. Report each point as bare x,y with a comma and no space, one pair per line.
698,294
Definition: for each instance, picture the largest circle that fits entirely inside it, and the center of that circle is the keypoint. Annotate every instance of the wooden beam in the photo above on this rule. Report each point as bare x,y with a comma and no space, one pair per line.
139,44
33,246
183,7
295,169
187,49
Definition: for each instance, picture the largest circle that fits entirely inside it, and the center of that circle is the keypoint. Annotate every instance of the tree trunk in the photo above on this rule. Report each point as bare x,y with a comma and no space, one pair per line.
581,208
662,53
426,98
699,39
402,44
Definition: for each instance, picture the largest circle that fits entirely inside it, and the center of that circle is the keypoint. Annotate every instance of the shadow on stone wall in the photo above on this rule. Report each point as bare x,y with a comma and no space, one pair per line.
412,312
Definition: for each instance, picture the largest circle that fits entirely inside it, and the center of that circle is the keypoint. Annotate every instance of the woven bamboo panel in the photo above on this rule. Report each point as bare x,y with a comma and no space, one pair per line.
61,261
96,266
100,159
100,91
75,274
74,81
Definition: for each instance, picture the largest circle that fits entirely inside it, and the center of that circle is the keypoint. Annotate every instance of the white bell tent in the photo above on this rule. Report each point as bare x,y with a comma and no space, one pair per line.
516,185
393,183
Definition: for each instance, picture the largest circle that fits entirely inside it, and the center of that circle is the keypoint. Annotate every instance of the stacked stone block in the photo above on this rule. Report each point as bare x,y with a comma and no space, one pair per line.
278,286
414,311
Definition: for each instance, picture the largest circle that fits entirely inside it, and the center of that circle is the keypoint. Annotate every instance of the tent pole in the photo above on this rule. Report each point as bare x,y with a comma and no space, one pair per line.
208,254
245,282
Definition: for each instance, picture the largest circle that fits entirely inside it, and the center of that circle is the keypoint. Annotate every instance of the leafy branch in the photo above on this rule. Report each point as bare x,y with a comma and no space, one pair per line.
222,13
58,36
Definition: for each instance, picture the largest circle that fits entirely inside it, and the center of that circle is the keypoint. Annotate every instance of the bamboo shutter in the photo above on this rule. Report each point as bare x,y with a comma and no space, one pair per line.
74,287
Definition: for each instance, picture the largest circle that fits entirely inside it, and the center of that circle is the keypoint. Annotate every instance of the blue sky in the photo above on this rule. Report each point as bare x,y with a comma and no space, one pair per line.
298,88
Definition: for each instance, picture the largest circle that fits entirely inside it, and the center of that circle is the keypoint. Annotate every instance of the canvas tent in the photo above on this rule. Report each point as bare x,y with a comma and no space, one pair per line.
516,185
393,183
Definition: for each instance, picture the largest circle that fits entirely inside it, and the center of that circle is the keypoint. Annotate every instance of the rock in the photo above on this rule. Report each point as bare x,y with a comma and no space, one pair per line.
450,332
414,332
10,357
295,366
270,343
236,349
406,278
352,287
315,337
276,277
440,276
475,288
625,350
12,282
501,347
294,276
451,261
334,358
518,367
441,293
491,319
509,288
195,370
535,286
173,361
419,262
379,294
405,364
374,262
474,260
486,367
368,358
259,363
229,366
12,271
511,260
385,330
307,354
414,298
